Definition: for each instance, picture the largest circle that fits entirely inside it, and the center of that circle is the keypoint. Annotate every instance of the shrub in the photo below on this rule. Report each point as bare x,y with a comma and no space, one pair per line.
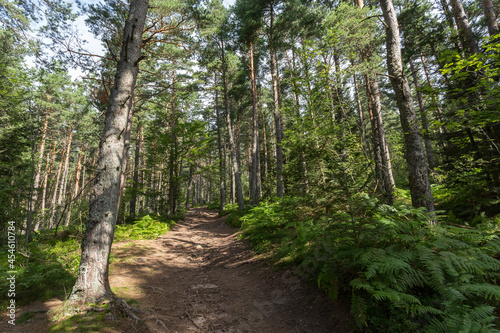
148,227
403,274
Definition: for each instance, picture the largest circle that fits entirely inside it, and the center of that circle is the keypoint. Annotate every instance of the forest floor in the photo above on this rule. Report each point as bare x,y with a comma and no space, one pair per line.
199,277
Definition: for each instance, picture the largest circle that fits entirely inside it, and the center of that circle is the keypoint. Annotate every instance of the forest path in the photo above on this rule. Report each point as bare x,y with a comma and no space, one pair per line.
200,278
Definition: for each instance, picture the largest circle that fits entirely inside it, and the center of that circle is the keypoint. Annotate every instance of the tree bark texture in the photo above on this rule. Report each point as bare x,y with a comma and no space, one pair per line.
135,179
425,122
172,180
464,26
491,17
222,165
255,185
420,188
232,141
277,115
92,284
36,186
383,166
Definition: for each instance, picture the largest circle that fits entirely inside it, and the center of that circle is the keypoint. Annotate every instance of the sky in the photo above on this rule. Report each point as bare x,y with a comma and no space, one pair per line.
94,46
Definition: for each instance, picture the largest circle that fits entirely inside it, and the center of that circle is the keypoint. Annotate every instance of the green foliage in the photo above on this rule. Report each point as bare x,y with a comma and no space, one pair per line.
230,208
213,205
88,322
48,266
403,273
148,227
46,270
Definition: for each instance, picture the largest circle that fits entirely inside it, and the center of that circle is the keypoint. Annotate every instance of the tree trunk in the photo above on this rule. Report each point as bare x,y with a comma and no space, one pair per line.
77,184
36,184
491,17
92,284
142,200
464,27
232,141
255,184
362,126
171,180
277,115
53,201
189,185
425,123
135,184
64,182
48,172
420,188
264,140
222,165
383,166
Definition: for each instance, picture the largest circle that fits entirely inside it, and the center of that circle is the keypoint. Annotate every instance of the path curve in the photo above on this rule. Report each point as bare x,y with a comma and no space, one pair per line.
200,277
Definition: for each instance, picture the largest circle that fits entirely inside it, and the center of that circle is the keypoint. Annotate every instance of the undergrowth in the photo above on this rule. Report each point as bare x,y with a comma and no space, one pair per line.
402,273
148,227
47,267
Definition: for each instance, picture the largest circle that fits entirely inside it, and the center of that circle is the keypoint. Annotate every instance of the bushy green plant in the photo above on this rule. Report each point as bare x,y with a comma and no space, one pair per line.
405,274
45,269
213,205
148,227
230,208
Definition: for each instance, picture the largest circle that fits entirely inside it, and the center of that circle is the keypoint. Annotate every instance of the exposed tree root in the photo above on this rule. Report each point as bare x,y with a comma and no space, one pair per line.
116,306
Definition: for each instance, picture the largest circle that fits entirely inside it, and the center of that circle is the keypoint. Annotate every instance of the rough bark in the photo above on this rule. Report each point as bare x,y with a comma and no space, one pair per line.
277,114
255,184
425,122
264,140
383,166
491,17
222,165
55,191
420,188
189,185
48,171
171,189
36,185
76,187
362,126
135,179
141,197
232,141
92,284
464,27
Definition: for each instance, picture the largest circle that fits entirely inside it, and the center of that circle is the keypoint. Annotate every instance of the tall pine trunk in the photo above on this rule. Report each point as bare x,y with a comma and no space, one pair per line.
491,17
464,27
277,115
255,183
135,179
92,283
222,165
420,187
232,141
423,117
171,162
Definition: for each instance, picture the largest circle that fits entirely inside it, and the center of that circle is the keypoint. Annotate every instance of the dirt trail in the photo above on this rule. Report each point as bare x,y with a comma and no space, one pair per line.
200,278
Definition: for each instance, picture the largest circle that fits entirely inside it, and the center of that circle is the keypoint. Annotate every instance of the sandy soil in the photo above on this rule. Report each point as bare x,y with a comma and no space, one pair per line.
200,278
